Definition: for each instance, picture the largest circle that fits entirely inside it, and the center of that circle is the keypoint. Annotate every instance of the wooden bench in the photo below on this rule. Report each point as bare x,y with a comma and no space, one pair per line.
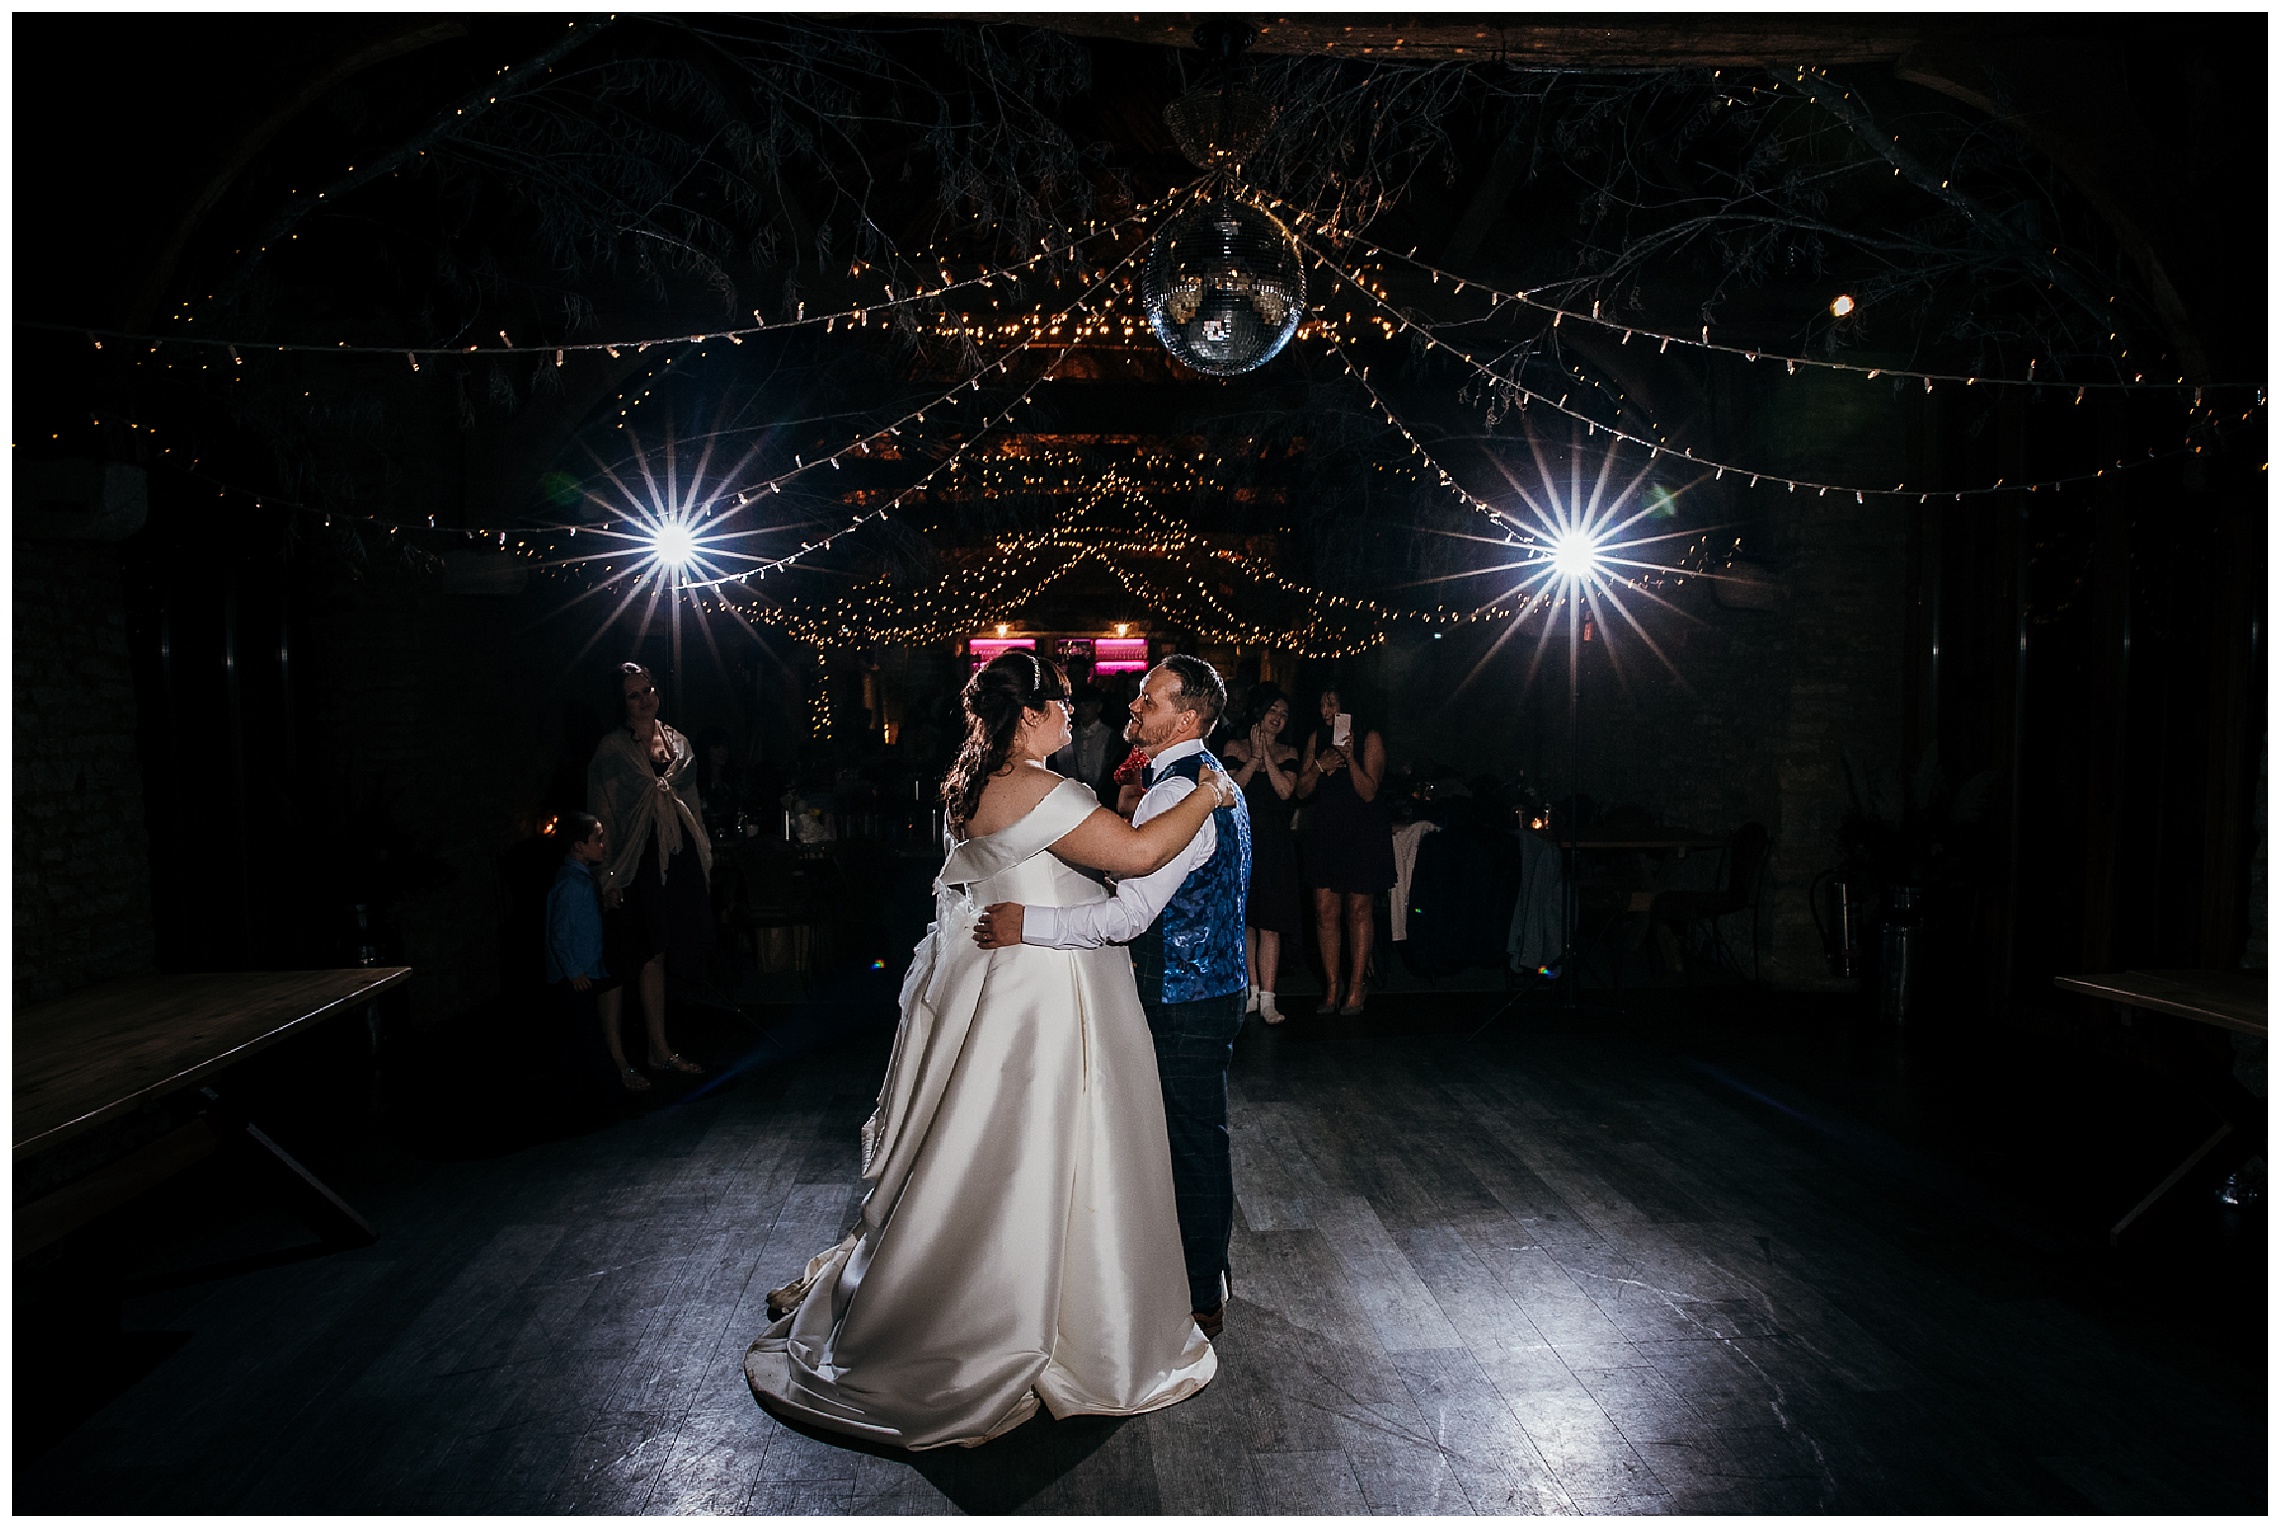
88,1066
2227,999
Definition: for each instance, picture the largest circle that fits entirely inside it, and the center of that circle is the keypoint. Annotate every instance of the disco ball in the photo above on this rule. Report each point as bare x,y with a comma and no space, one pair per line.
1224,287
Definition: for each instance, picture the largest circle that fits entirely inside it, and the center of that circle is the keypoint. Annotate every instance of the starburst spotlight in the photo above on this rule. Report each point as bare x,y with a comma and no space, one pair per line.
1575,556
673,545
669,531
1584,545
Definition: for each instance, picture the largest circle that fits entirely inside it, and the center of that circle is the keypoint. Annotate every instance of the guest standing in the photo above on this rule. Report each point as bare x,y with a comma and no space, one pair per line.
585,992
1269,779
642,785
1349,856
1087,758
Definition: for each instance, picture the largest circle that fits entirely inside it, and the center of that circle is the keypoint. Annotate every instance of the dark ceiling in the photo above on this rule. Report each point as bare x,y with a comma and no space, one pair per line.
674,174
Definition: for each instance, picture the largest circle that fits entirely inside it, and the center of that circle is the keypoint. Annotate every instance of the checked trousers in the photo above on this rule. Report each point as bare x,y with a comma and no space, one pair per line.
1194,1042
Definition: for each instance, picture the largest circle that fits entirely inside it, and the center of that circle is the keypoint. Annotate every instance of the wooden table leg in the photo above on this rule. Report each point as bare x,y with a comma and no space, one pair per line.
315,1205
48,1220
2162,1189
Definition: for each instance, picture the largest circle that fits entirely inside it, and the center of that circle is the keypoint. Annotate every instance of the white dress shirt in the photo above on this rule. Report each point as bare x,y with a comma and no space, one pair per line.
1139,899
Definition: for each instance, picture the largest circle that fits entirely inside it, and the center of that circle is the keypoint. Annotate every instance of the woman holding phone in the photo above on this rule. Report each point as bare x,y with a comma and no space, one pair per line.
1349,858
1267,771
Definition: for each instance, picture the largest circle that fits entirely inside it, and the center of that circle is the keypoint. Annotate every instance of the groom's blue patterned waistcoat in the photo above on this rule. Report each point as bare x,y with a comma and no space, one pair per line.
1194,949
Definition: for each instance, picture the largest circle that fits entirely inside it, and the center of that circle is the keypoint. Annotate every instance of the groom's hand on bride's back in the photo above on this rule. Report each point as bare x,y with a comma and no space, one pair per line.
999,927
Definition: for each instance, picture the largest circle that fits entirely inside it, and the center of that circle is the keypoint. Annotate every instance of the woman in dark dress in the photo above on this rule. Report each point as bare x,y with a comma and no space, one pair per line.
1269,779
1350,847
642,785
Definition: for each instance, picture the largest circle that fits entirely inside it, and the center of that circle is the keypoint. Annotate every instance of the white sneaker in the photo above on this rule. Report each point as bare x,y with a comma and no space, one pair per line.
1251,1002
1267,1010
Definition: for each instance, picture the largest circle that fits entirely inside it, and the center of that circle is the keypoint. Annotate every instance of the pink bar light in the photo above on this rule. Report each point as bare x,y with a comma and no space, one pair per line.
983,649
1120,655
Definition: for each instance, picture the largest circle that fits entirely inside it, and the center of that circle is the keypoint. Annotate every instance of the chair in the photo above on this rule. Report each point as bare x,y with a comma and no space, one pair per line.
1741,889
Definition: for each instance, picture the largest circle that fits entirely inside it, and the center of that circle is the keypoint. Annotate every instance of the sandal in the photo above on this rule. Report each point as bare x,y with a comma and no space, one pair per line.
1329,1002
632,1081
676,1062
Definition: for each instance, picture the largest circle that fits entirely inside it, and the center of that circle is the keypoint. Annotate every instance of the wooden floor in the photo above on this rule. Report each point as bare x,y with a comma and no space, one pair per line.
1560,1269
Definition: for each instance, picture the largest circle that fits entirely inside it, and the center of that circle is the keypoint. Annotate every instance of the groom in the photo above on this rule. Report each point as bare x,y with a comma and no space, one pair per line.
1185,925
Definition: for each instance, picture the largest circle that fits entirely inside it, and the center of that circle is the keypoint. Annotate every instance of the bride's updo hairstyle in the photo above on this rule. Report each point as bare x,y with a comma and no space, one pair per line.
1014,681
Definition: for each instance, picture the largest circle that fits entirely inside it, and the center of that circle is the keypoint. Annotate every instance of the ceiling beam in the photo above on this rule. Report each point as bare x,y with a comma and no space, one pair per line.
1530,41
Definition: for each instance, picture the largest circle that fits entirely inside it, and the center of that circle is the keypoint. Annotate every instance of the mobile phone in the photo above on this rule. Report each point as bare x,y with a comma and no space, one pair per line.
1342,729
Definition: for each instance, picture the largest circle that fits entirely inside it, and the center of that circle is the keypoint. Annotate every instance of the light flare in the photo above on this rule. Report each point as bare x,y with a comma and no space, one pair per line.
1575,555
666,525
675,545
1588,542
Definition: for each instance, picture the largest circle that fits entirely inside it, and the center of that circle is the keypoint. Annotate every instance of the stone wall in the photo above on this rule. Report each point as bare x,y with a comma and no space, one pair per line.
82,861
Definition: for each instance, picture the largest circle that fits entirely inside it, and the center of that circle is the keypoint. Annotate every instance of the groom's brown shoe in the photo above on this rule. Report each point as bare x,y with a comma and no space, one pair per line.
1212,1320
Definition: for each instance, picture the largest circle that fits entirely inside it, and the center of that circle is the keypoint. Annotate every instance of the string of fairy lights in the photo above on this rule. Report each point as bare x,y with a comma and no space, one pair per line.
1016,567
1532,299
854,314
1528,298
993,582
1028,469
858,313
878,443
875,442
1211,619
641,541
1656,449
918,416
1448,480
849,317
1014,570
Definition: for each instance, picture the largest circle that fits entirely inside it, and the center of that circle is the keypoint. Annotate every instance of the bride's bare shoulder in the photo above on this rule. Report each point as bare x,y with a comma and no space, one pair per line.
1009,797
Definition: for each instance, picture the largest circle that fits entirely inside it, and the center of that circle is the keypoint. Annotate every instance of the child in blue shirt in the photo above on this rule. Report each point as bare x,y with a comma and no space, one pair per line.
590,997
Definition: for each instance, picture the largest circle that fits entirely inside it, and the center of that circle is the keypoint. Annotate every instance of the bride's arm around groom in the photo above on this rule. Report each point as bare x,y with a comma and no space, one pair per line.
1140,896
1167,724
1151,859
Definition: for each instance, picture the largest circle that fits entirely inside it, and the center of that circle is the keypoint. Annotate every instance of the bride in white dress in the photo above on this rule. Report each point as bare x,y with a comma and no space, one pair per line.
1017,1243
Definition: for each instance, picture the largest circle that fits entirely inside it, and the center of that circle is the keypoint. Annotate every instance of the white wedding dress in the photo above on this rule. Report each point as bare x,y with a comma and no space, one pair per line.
1017,1244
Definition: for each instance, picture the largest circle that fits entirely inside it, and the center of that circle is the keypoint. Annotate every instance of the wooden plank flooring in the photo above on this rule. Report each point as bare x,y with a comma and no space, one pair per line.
1555,1271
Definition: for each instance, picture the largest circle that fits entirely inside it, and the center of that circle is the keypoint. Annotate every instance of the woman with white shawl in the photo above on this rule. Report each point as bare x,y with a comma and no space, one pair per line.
643,786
